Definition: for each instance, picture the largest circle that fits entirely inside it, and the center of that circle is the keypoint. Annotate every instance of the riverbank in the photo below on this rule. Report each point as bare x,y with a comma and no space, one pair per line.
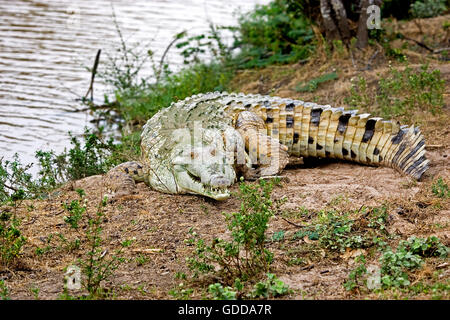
325,204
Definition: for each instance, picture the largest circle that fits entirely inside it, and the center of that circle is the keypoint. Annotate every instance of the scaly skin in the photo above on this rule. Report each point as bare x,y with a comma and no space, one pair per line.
260,133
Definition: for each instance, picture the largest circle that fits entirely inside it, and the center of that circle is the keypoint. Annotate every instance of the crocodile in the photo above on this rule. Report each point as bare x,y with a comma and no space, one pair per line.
202,144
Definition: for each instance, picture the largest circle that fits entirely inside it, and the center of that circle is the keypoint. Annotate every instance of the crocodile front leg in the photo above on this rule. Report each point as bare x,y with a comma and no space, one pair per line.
267,155
121,180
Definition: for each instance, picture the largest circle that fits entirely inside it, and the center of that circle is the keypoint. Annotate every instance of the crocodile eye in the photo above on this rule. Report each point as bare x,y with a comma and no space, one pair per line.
193,155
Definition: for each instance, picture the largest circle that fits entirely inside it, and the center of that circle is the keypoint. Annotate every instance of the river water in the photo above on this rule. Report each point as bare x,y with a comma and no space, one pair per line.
46,45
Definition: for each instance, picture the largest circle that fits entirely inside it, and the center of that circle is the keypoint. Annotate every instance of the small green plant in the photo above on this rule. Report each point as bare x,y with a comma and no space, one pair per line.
91,157
16,183
245,255
76,211
278,236
408,90
402,92
271,288
97,266
313,84
141,260
218,292
35,291
4,292
408,256
339,231
429,247
395,267
428,8
181,292
11,238
360,96
356,275
440,188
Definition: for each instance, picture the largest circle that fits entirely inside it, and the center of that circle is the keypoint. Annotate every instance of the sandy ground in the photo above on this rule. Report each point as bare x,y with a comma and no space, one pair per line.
159,223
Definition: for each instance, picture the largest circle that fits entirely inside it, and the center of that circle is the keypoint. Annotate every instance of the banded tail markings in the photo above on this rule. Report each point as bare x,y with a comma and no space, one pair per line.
306,117
331,131
396,145
298,113
349,136
372,144
275,130
341,132
316,113
282,126
268,119
384,136
411,158
419,170
417,151
290,123
323,130
402,146
410,143
393,132
358,138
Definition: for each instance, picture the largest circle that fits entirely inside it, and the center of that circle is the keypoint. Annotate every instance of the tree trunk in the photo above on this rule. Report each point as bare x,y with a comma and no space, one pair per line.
362,35
341,17
331,30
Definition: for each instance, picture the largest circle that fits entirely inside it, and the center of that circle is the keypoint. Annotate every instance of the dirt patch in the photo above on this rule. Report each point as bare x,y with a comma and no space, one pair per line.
159,223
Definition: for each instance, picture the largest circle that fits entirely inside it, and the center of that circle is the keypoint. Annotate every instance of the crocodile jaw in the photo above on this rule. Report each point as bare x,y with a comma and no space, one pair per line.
186,182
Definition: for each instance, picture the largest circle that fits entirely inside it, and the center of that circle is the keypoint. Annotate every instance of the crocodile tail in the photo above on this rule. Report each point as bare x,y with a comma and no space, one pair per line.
374,141
335,133
312,130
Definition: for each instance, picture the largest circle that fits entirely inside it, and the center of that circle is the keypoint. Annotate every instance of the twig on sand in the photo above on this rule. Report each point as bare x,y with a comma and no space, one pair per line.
434,146
292,223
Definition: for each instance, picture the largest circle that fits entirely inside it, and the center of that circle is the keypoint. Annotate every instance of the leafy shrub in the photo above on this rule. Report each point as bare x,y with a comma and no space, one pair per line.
245,255
428,8
90,157
395,266
96,265
11,238
277,32
338,232
16,183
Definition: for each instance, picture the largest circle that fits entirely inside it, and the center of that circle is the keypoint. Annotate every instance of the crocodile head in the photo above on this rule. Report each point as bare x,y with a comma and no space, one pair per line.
204,167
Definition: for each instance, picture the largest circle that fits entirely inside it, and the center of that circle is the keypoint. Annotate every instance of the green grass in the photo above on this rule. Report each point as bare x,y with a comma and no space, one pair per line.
313,84
401,93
